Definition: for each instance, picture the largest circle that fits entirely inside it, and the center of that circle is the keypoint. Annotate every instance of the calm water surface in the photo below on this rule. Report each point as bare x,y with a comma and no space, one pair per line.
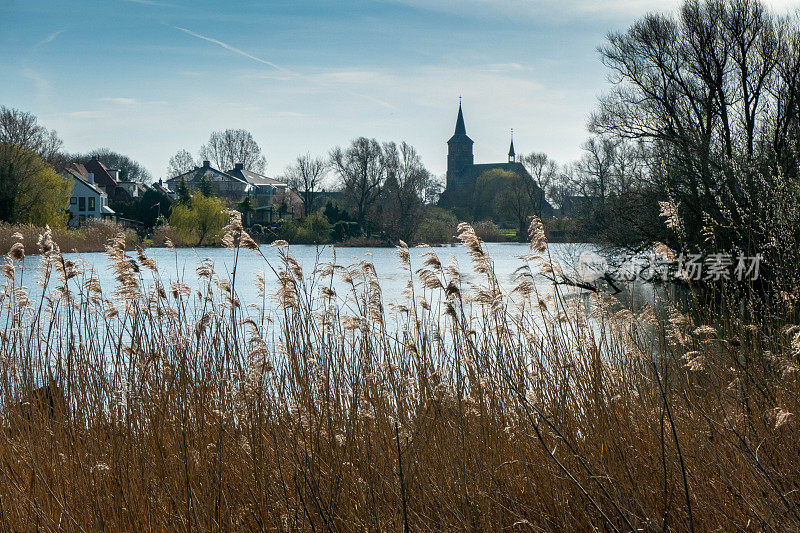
180,265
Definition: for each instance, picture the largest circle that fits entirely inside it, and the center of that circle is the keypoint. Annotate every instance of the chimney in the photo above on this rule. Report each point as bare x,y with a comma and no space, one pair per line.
206,163
238,166
90,178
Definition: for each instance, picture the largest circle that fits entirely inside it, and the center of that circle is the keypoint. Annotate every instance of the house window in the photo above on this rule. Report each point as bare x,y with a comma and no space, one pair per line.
82,204
73,200
91,203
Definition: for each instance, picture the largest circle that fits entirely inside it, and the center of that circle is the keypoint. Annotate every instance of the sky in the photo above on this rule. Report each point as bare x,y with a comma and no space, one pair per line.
149,77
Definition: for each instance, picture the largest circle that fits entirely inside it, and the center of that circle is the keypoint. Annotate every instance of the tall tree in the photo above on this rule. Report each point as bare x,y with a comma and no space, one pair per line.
505,196
180,163
43,197
407,181
129,170
544,172
361,171
226,148
306,176
25,146
184,195
596,166
715,94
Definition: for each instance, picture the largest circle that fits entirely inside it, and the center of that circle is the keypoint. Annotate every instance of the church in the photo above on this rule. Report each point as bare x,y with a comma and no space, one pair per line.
463,173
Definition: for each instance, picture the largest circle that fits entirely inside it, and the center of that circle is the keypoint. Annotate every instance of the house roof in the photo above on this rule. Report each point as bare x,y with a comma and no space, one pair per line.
160,187
75,174
101,175
254,178
198,172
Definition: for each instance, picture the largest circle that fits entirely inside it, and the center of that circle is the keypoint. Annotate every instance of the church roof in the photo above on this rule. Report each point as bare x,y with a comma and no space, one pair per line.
470,174
473,172
511,149
460,134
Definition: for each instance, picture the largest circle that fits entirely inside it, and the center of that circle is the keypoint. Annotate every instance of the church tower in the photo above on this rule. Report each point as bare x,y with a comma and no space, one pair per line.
459,151
512,157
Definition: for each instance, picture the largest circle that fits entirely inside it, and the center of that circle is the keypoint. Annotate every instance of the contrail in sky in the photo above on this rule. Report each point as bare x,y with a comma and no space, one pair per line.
277,67
233,49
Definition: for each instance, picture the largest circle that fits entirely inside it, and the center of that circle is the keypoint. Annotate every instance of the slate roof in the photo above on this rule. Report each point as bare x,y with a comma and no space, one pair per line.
471,173
101,175
77,176
254,178
460,134
198,172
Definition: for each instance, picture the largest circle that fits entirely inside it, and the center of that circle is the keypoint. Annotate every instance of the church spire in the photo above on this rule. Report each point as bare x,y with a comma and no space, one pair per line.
511,154
460,128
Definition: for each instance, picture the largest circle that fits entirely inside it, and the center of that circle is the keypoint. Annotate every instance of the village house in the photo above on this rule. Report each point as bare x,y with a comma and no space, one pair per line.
163,189
133,189
87,200
223,184
106,179
271,199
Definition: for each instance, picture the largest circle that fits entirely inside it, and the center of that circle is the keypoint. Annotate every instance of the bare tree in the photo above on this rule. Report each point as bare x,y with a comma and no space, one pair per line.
361,172
180,163
715,94
596,167
306,176
407,181
544,172
226,148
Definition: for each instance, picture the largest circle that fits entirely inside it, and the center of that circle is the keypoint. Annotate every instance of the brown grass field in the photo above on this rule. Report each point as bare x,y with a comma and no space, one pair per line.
157,407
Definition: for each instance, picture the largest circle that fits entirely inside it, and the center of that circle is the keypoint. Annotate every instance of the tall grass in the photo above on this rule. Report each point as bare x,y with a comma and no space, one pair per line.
90,238
461,408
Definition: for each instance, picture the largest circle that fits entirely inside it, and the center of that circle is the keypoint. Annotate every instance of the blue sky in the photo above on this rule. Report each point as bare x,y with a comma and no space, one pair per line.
149,77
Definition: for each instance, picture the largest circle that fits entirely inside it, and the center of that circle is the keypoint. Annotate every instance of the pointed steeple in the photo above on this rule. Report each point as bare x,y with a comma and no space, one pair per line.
459,150
511,154
460,135
460,128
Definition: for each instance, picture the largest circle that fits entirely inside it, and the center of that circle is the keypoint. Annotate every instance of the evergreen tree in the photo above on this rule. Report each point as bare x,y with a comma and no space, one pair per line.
183,192
206,187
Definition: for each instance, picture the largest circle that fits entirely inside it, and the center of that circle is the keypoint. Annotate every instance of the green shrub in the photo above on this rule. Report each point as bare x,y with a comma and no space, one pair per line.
315,229
438,226
200,221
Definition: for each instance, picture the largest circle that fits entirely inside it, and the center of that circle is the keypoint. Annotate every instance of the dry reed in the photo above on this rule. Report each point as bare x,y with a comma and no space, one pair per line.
461,408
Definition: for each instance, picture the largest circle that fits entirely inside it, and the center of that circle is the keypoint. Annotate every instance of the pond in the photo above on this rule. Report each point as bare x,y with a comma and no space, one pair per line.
180,265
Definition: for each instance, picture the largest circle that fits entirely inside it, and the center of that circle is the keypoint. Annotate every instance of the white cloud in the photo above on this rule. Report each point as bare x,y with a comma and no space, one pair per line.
120,100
